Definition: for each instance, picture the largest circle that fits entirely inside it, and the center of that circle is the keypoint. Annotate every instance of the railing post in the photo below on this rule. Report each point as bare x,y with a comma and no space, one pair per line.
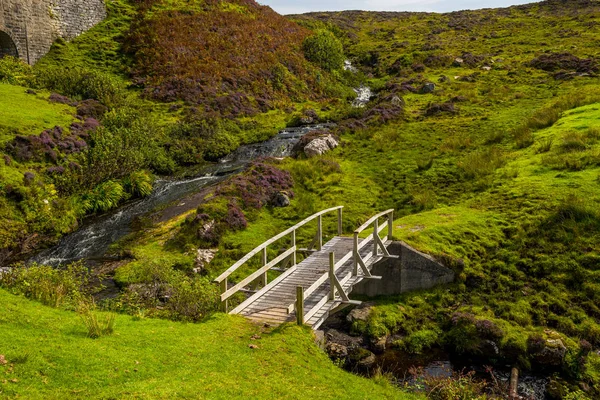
224,304
294,245
320,233
299,305
390,225
340,228
375,233
355,254
265,277
331,276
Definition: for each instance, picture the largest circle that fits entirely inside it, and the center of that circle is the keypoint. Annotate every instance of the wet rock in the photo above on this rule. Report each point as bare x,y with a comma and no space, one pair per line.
203,258
336,350
320,146
458,62
362,358
281,199
397,101
548,349
427,88
309,117
359,313
443,79
378,345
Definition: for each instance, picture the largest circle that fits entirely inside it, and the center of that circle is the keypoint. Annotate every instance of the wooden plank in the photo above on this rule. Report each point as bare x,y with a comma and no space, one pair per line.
263,290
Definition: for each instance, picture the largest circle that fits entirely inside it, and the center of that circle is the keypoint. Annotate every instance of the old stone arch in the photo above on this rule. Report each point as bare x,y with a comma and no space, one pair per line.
7,46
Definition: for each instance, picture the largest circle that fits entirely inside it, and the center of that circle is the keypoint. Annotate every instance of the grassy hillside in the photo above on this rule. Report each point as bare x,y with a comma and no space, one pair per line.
483,136
49,356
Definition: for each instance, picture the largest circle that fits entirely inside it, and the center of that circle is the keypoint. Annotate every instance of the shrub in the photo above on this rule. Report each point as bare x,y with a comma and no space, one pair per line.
138,184
104,197
482,163
15,72
51,286
82,84
421,340
86,308
324,49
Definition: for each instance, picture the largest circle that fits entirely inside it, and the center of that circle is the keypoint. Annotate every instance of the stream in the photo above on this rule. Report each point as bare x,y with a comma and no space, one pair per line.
94,238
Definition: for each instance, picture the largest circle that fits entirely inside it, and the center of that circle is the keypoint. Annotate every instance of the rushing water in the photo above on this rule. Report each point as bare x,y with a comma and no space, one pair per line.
93,239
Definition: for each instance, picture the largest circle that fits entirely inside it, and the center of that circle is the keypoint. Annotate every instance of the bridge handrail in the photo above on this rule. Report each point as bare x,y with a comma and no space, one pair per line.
358,261
288,231
372,220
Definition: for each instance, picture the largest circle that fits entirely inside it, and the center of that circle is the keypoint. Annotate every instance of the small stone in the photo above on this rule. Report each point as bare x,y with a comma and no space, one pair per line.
281,199
427,88
458,62
203,258
253,346
3,360
336,350
486,68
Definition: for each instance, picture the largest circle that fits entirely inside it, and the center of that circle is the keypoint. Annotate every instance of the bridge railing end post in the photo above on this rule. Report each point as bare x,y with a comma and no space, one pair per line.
299,305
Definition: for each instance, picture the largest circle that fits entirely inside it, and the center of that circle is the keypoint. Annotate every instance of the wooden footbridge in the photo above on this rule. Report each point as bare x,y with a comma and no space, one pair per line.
309,290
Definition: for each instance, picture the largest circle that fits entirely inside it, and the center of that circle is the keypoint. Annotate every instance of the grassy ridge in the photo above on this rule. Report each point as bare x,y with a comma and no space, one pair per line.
50,357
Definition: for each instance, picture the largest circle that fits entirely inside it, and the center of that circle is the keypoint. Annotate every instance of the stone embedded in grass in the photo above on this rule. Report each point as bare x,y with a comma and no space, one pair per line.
320,146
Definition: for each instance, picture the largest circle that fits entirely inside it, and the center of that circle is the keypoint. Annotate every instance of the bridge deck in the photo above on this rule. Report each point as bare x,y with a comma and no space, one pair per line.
271,304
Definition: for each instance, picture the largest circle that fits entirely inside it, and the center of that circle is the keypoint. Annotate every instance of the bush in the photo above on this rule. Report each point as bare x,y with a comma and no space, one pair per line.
82,84
53,287
325,50
15,72
104,197
138,184
86,308
421,340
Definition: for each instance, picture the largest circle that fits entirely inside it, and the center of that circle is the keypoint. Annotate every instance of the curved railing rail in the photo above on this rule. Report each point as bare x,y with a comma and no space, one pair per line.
289,254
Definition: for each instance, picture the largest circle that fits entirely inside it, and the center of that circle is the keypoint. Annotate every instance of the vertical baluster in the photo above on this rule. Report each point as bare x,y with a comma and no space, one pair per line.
299,305
225,303
265,277
331,276
355,254
375,233
320,233
294,245
390,225
340,228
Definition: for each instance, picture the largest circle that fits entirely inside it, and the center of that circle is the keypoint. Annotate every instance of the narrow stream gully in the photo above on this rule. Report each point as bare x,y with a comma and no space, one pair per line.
92,241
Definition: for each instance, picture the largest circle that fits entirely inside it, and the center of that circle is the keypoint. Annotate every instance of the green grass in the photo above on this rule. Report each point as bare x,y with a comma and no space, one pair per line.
52,358
27,114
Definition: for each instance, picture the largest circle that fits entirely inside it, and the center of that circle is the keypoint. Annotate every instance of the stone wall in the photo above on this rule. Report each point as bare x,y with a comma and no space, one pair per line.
33,25
413,270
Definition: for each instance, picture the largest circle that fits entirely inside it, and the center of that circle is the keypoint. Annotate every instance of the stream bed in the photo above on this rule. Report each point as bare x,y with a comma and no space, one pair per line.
92,241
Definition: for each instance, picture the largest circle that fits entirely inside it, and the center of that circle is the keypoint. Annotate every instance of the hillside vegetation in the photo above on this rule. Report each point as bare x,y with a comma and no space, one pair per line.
483,135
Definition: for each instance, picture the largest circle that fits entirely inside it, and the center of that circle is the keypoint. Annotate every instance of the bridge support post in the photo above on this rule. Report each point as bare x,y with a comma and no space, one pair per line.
390,225
299,305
